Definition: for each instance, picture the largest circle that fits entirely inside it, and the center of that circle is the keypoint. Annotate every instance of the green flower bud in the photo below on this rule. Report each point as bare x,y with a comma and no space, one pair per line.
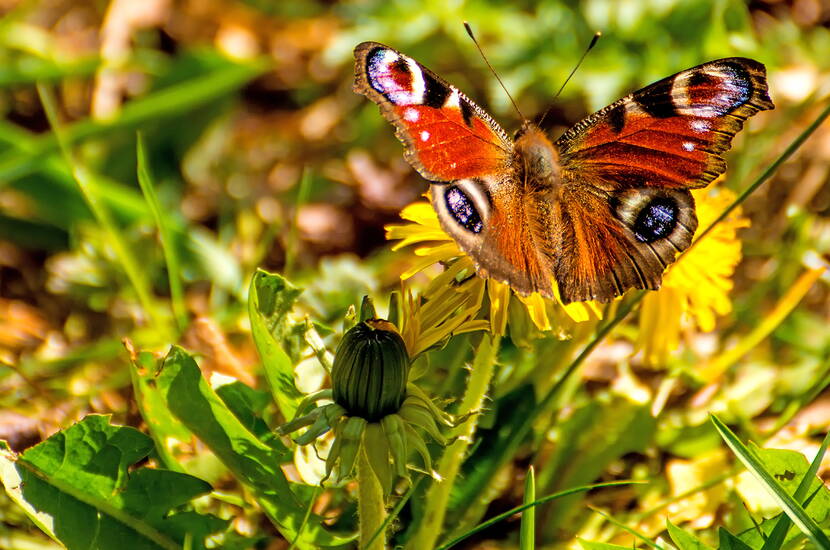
370,371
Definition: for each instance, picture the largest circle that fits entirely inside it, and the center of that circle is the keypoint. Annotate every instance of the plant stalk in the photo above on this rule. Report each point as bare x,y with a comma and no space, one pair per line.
371,508
438,494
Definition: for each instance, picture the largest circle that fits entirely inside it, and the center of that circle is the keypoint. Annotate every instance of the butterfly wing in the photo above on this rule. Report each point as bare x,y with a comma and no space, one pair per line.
456,145
447,137
625,209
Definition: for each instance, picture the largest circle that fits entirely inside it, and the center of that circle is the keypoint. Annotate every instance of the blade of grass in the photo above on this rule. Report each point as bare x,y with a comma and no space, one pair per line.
139,282
791,507
292,245
171,101
121,199
626,528
779,532
46,70
475,395
527,531
527,505
29,234
171,256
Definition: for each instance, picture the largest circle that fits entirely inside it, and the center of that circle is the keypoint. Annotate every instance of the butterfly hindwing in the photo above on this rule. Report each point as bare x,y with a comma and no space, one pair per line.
600,258
492,221
447,137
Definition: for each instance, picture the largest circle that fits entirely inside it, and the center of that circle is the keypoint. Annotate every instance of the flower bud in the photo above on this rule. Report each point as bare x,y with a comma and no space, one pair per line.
370,370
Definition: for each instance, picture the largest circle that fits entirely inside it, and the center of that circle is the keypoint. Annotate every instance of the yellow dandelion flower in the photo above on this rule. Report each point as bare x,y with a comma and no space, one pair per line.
436,246
445,308
695,290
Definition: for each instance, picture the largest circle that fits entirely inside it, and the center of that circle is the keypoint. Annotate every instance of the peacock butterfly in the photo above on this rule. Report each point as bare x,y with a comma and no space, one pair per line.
604,208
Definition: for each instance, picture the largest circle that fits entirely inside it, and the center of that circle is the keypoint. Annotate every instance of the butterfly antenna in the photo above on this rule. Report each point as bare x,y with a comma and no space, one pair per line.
503,87
581,59
593,43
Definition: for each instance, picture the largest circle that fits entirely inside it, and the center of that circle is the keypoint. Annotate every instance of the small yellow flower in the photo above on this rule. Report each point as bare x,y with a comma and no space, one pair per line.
446,308
436,246
695,289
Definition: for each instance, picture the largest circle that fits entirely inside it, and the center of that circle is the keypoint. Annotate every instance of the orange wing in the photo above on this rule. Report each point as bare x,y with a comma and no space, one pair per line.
447,137
626,211
671,133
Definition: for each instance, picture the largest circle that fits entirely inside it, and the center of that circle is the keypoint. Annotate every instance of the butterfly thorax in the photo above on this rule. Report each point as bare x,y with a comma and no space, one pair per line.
537,161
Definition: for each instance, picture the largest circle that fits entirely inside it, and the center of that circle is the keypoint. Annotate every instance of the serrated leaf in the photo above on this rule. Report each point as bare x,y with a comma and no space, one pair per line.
76,487
270,298
255,464
164,428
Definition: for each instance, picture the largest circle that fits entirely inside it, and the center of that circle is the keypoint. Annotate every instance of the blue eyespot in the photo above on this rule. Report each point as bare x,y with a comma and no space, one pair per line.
656,220
462,210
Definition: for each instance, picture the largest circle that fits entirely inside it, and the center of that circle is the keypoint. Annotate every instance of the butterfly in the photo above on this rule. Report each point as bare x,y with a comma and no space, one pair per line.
604,208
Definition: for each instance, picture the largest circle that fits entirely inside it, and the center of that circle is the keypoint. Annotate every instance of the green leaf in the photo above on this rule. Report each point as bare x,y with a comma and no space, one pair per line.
728,541
171,101
779,532
255,464
247,405
683,539
270,298
164,428
791,507
527,532
76,487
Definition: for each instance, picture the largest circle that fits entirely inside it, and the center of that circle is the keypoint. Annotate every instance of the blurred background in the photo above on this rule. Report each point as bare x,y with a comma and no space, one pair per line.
262,156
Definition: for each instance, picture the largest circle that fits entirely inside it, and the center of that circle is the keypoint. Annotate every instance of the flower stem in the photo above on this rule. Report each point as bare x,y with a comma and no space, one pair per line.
439,493
371,509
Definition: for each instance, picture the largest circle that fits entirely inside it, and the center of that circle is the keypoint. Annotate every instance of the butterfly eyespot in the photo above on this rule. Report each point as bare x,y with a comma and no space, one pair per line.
398,78
656,220
462,209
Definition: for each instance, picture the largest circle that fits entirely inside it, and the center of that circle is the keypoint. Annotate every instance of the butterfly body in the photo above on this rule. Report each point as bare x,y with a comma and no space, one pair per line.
604,208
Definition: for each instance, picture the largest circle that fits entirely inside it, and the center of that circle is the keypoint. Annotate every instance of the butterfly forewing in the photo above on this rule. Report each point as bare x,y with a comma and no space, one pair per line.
447,137
671,133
